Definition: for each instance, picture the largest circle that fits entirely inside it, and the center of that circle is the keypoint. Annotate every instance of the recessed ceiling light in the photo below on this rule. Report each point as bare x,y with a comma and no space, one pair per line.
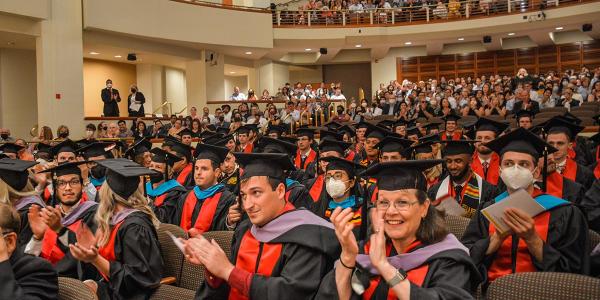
307,49
248,53
408,43
94,53
231,72
559,28
358,46
118,56
461,39
511,33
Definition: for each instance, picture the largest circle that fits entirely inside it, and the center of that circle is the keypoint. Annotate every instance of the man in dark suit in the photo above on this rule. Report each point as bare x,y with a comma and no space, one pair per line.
391,108
525,103
111,99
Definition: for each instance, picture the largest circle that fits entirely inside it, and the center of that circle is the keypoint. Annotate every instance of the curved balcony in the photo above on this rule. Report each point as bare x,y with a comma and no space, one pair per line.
412,14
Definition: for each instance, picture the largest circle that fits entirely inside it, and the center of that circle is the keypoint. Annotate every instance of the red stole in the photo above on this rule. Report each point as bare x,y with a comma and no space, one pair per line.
350,156
250,257
47,195
205,216
452,192
502,264
597,170
50,250
554,184
248,148
184,174
317,188
159,200
373,181
456,136
493,172
570,170
108,250
312,156
415,276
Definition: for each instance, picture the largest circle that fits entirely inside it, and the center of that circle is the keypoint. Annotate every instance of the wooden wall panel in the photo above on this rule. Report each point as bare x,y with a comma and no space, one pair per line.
503,62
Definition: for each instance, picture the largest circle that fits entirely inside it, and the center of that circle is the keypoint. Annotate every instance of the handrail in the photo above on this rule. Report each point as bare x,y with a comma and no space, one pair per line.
178,113
225,6
420,13
161,106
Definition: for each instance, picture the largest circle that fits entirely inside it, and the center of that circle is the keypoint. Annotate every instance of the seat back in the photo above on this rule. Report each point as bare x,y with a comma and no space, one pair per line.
544,285
73,289
171,255
169,292
193,275
594,239
457,225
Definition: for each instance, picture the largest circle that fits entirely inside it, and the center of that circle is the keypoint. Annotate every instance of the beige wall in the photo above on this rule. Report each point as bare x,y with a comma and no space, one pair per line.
175,89
352,77
384,69
95,73
308,74
30,8
18,91
239,81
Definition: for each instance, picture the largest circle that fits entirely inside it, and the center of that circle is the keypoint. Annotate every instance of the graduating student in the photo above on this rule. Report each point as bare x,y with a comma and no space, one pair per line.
462,184
561,135
318,192
164,193
93,152
579,150
348,136
54,228
524,119
205,207
424,151
305,155
296,193
451,131
554,241
245,136
64,151
139,152
279,252
374,135
22,276
410,254
486,162
11,150
125,250
591,205
16,190
183,169
230,171
275,131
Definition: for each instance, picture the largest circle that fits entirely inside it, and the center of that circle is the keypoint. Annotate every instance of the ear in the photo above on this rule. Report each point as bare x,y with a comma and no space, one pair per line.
425,208
11,242
280,190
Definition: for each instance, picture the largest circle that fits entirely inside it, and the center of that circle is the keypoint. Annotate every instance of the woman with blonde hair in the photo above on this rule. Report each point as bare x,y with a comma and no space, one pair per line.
125,249
17,190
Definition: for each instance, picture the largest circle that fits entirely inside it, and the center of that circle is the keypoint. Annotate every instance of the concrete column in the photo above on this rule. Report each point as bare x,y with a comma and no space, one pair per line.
195,83
205,79
59,64
271,75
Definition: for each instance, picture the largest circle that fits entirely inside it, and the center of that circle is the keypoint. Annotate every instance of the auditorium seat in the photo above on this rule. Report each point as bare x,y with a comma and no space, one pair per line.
558,109
594,239
583,112
544,285
586,106
171,255
456,225
497,118
193,275
548,114
169,292
73,289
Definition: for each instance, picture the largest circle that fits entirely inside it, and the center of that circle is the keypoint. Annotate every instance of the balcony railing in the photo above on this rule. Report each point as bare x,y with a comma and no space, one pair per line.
414,13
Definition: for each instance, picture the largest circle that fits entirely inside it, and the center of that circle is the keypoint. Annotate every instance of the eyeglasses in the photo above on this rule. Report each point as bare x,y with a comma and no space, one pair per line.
400,205
63,184
336,176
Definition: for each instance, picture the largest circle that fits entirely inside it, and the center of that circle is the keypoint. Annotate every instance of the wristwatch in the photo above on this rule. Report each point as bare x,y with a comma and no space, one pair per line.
399,277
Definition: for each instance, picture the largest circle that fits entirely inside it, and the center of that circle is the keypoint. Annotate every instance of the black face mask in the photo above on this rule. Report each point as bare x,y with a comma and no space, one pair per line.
98,171
237,119
340,111
156,177
4,136
63,135
221,119
133,91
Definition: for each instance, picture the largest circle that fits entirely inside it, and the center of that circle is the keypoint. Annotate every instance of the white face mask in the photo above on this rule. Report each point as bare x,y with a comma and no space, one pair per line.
363,104
516,177
335,188
392,101
353,105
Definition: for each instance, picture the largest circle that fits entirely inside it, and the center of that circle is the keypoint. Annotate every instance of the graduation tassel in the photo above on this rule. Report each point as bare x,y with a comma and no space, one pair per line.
545,170
53,199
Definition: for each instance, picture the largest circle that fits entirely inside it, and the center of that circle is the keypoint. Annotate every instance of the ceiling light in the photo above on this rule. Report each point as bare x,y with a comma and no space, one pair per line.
461,39
559,28
358,46
94,53
408,43
511,33
231,72
248,53
307,49
118,56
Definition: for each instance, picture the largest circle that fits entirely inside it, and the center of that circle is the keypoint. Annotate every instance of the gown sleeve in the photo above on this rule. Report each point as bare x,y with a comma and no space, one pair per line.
137,271
447,279
591,204
299,279
166,212
477,239
220,217
29,277
300,197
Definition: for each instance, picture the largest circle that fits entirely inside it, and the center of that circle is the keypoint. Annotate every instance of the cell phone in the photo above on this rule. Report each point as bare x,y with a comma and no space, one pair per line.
176,241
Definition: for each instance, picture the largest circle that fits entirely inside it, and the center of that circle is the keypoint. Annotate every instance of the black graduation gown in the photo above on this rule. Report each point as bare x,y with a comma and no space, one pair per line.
566,248
297,272
583,154
136,271
25,276
298,195
231,182
165,212
571,190
584,176
188,182
591,205
69,266
219,221
25,234
488,192
451,274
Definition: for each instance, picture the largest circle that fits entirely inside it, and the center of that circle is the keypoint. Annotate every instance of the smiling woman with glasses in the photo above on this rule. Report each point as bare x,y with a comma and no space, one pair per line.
410,254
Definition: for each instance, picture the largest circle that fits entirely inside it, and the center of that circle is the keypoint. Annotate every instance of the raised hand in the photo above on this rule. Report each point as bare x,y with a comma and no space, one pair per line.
52,217
377,249
343,230
36,222
234,215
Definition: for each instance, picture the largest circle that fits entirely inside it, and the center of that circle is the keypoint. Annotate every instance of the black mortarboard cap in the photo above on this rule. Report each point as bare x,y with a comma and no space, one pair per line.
64,146
520,140
275,129
139,147
185,131
222,142
305,131
43,148
346,130
211,127
485,124
207,134
561,125
272,165
333,125
569,117
393,144
10,148
336,163
182,149
213,153
451,117
433,138
374,131
386,123
66,168
333,145
327,134
14,172
289,139
413,131
400,175
223,130
163,157
523,113
123,175
431,125
458,147
94,149
270,145
212,139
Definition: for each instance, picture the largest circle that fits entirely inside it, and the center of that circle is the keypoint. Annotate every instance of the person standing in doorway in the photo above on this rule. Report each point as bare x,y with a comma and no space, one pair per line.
135,102
111,99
